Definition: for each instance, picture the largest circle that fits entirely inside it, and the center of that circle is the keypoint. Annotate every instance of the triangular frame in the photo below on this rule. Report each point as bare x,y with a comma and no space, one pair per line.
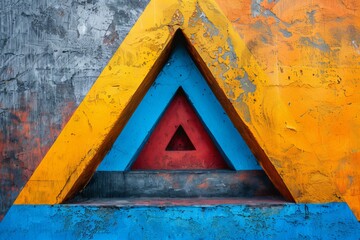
142,122
94,126
153,155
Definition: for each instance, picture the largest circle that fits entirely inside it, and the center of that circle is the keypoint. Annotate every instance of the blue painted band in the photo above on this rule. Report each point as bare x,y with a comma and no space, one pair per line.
179,71
287,221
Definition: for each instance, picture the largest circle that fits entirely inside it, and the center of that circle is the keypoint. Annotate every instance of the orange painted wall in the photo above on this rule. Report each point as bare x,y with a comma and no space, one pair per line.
311,51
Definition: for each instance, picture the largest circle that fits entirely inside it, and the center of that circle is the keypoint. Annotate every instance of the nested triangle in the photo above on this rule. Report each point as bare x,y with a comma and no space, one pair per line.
109,104
180,141
176,127
179,71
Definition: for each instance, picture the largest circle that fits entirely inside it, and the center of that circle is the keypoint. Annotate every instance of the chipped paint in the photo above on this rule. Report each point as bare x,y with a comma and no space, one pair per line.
144,57
315,74
200,17
285,33
318,43
247,85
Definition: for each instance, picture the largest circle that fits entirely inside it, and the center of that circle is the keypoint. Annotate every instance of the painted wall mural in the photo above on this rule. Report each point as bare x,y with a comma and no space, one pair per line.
310,51
286,73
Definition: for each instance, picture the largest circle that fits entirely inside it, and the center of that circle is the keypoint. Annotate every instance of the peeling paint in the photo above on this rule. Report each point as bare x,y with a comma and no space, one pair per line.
231,54
303,71
176,20
285,33
199,16
256,7
246,84
311,16
318,43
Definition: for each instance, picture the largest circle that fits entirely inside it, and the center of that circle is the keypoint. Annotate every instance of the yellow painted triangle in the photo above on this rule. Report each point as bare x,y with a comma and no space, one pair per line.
223,59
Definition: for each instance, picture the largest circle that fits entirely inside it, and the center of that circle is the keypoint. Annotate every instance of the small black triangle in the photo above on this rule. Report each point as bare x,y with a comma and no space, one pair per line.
180,141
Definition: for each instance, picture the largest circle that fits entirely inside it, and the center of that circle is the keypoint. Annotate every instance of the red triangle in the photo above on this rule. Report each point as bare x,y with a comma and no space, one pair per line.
179,142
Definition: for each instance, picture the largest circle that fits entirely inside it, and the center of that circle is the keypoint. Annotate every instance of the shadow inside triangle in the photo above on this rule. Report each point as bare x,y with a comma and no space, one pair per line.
180,141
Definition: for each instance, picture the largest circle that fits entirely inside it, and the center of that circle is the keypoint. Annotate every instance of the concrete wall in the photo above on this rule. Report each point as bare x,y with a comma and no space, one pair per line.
51,52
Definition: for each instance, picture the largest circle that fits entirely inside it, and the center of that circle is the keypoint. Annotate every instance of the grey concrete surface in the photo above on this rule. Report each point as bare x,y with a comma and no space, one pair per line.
51,52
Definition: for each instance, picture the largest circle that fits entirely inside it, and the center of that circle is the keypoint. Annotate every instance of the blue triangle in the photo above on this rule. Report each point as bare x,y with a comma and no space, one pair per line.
179,71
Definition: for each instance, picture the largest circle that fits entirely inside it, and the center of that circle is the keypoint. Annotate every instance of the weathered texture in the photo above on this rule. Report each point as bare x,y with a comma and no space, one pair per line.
105,110
179,184
179,71
51,52
205,220
310,50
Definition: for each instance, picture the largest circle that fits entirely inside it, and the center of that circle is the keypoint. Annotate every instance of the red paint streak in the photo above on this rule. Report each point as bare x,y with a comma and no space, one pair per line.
154,155
204,185
243,177
22,146
66,113
166,176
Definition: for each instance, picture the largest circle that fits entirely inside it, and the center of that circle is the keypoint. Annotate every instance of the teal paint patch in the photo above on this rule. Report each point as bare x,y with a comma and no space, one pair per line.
282,221
180,71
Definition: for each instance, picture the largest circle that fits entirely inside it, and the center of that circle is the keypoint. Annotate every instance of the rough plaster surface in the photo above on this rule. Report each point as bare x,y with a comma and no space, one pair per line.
277,221
51,52
66,168
310,50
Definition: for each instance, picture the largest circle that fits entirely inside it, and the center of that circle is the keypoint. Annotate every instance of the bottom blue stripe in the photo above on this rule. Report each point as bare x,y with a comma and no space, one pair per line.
285,221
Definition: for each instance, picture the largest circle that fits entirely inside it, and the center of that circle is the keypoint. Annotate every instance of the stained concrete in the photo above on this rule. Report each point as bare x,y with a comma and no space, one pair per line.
179,184
51,52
